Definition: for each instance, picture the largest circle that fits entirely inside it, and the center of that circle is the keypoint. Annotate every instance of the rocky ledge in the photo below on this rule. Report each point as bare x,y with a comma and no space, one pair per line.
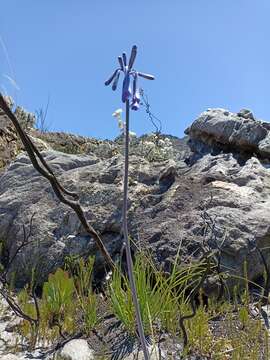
221,169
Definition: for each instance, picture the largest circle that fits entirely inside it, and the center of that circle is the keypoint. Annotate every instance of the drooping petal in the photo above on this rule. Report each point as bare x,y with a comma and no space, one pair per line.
135,105
115,81
135,90
124,55
126,92
134,84
137,95
132,57
121,62
107,82
146,76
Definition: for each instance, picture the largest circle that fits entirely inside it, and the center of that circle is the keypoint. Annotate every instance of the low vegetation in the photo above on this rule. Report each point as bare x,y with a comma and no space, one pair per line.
68,306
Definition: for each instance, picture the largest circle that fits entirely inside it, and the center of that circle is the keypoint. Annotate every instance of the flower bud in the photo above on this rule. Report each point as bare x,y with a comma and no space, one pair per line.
115,82
124,59
132,57
121,63
146,76
135,105
111,78
126,92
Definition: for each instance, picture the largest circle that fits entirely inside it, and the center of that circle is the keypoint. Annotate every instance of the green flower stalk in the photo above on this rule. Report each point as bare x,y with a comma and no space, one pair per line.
130,92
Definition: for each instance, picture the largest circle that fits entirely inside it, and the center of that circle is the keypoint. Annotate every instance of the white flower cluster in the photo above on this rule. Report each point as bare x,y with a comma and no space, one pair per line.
121,124
156,148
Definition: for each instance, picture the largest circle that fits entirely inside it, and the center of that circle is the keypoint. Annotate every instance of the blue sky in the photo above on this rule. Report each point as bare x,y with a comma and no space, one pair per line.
203,53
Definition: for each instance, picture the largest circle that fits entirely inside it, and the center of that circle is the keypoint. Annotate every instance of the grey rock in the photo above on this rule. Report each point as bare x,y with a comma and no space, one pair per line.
220,169
229,131
246,114
26,119
9,337
56,230
154,352
9,143
264,145
9,100
10,357
77,349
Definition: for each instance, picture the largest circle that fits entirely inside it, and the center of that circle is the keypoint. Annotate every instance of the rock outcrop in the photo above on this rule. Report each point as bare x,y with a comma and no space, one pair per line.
221,169
229,131
9,144
76,350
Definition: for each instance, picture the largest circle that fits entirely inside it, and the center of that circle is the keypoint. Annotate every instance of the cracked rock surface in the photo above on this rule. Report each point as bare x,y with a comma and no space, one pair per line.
221,167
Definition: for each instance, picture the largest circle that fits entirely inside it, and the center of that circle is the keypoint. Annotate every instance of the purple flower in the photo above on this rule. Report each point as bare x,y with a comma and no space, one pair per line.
126,92
130,76
135,105
135,94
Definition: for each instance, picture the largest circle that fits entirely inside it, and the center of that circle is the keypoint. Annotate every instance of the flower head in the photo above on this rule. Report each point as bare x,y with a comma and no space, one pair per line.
130,83
117,113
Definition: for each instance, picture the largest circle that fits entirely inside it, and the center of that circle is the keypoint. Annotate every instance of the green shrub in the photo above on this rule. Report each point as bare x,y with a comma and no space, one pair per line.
120,299
69,304
82,271
58,294
160,297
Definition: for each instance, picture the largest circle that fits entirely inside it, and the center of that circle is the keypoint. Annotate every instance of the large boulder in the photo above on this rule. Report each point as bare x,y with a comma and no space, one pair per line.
27,198
238,132
77,349
217,174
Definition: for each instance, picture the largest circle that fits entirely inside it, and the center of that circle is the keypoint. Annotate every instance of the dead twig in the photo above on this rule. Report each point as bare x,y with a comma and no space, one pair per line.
207,257
24,243
266,288
66,197
210,241
9,296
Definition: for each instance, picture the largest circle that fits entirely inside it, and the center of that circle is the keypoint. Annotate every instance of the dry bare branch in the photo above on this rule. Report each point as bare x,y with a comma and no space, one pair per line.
71,199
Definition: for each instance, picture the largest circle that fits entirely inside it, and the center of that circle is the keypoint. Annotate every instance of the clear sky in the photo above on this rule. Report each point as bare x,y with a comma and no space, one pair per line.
203,53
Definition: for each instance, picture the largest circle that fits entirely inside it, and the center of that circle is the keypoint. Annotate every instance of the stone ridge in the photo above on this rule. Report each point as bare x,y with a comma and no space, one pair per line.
240,131
218,169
